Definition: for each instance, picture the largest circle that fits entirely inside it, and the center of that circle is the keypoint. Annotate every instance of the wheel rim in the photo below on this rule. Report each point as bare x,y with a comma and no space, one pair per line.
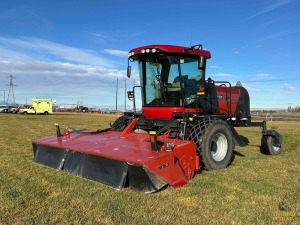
219,147
275,145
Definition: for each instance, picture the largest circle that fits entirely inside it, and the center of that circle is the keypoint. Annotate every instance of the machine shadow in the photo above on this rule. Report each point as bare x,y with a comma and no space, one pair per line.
236,153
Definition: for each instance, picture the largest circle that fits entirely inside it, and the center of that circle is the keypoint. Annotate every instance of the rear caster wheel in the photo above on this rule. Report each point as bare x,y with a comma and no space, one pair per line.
271,144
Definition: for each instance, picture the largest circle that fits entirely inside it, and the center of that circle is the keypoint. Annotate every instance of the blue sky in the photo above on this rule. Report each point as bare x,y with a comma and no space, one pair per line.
74,51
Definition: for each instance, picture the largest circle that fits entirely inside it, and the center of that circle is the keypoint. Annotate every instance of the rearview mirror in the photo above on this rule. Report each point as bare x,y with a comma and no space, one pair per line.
128,71
202,62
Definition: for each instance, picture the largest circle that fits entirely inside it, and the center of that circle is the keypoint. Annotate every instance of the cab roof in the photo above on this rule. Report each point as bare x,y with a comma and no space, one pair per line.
196,51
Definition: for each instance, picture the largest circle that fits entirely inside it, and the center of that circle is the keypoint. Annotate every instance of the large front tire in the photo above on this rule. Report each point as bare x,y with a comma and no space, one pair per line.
217,145
214,142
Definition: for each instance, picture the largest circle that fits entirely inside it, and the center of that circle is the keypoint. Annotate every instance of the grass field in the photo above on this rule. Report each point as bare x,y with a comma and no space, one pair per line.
247,192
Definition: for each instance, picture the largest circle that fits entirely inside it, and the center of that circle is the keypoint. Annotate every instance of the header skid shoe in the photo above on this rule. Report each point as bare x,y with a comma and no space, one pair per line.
119,159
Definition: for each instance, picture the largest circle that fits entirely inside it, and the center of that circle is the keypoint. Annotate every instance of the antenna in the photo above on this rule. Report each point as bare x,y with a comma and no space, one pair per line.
191,39
11,91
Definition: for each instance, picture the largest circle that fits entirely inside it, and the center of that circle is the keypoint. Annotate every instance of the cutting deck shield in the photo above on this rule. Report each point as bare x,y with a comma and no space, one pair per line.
131,164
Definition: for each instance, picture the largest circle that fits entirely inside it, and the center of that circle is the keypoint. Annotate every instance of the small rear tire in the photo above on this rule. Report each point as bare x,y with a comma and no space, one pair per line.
271,145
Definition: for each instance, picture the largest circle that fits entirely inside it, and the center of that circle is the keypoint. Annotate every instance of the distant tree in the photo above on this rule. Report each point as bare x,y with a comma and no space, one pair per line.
293,109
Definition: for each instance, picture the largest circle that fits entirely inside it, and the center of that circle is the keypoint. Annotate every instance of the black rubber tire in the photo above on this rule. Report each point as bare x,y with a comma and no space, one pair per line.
121,123
46,113
271,145
214,142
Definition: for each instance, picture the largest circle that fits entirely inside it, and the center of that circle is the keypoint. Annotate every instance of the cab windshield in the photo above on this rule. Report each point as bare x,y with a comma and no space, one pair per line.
168,80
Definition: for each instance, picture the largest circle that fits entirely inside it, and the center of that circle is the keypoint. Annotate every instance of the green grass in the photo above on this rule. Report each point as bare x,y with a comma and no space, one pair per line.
247,192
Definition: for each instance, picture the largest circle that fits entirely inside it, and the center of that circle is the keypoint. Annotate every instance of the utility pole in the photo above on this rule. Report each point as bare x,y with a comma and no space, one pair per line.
3,96
11,90
117,96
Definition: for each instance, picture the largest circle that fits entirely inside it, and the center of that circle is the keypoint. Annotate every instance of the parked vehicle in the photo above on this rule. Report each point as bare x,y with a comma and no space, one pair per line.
9,109
2,107
39,106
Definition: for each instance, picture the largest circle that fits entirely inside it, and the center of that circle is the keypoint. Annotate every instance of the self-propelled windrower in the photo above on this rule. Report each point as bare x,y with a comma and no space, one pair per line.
186,124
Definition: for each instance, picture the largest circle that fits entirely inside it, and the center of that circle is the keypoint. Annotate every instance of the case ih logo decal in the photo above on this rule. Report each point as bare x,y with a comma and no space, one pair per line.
222,97
163,166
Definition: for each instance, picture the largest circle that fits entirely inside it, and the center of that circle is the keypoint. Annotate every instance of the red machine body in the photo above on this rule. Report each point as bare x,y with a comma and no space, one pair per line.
186,124
225,107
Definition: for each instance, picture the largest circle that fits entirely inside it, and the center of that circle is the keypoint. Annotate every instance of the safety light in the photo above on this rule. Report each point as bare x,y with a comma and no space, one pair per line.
58,133
201,91
148,50
130,95
67,132
153,141
130,54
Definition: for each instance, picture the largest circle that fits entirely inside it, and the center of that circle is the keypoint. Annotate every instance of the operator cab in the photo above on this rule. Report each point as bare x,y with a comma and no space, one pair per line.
168,80
169,75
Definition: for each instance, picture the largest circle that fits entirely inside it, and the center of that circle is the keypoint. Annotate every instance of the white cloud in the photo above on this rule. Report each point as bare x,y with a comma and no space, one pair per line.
116,52
269,8
67,74
97,35
9,54
215,67
28,47
289,87
250,88
41,68
263,76
279,35
65,82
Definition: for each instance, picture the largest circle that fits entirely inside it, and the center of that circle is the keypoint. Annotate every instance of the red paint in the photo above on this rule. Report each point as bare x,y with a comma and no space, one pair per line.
161,112
171,49
223,93
175,167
